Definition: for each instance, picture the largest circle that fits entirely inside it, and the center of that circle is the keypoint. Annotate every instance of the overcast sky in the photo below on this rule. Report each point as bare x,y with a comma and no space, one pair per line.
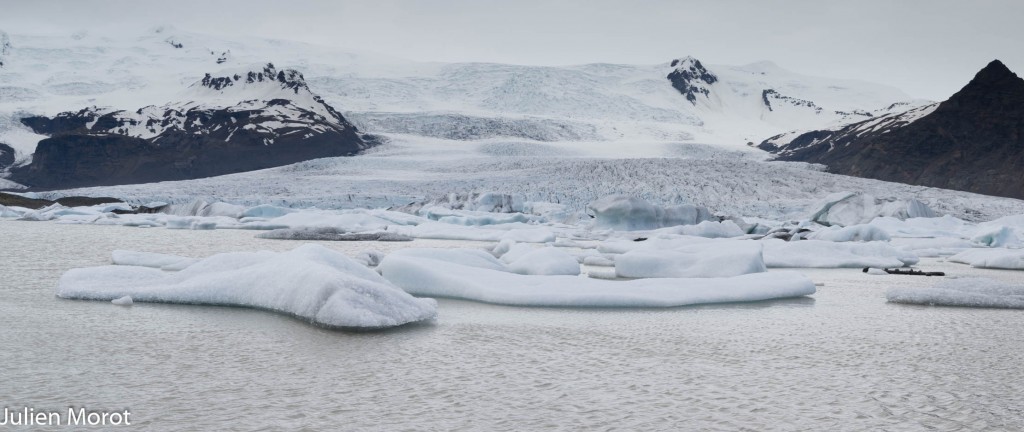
928,48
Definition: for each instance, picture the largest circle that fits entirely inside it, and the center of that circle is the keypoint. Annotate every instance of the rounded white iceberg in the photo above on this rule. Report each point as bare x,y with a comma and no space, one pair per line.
311,282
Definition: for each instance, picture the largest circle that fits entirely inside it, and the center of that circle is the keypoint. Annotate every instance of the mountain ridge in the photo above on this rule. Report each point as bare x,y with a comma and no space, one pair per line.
269,119
973,141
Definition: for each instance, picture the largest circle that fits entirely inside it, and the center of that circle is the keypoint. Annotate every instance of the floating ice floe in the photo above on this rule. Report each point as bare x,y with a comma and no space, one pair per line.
826,254
700,260
476,275
861,233
625,213
474,218
932,247
545,261
851,208
11,212
1010,259
997,236
945,226
444,231
966,292
661,242
330,234
310,282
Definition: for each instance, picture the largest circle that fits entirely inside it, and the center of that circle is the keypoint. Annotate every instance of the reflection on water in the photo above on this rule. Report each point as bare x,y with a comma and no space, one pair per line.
844,359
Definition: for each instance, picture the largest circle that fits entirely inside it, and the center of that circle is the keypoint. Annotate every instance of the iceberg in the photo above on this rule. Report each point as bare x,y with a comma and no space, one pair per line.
861,233
1000,236
626,213
826,254
444,231
545,261
851,208
330,234
310,282
702,260
428,274
965,292
1009,259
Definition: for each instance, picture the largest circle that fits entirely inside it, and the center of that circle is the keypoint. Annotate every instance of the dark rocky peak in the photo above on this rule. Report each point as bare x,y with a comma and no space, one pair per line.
6,156
65,122
691,78
289,79
994,87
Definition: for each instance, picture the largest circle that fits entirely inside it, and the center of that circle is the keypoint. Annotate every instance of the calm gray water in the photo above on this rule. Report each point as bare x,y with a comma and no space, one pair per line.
842,360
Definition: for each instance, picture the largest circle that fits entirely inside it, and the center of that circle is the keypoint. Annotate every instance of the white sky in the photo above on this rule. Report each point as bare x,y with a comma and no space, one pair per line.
928,48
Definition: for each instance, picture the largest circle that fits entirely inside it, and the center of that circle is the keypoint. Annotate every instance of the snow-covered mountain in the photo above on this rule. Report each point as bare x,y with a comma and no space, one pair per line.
726,105
242,121
973,141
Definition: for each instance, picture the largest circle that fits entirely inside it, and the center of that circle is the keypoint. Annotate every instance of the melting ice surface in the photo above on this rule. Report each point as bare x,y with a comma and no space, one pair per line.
311,282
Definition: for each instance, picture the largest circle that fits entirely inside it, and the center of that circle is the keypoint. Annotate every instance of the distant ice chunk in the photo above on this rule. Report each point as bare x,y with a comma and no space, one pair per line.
466,257
851,208
965,292
545,261
861,232
1009,259
707,229
203,208
473,218
265,211
701,260
662,242
425,274
311,282
1001,236
150,259
626,213
826,254
123,301
10,212
945,226
444,231
330,234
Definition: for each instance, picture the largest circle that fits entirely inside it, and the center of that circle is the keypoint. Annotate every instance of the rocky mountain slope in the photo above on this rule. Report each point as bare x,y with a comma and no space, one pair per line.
238,122
974,141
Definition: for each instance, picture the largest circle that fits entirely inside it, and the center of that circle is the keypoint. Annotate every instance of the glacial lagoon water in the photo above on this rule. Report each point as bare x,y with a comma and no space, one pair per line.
843,359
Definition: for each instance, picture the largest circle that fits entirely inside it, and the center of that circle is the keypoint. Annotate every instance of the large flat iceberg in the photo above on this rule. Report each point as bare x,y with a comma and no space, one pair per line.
998,258
698,260
966,292
459,276
311,282
827,254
